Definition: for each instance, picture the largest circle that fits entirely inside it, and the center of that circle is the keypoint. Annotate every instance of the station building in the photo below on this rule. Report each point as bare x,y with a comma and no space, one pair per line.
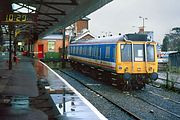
50,47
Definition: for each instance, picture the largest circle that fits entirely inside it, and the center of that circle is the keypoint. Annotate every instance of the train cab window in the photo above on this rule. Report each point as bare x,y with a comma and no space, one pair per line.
107,53
126,53
150,53
139,53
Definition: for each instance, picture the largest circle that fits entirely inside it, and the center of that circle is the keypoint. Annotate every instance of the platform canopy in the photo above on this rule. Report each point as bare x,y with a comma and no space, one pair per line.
50,15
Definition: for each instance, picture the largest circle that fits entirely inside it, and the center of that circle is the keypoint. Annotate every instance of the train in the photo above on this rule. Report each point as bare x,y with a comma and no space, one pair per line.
127,61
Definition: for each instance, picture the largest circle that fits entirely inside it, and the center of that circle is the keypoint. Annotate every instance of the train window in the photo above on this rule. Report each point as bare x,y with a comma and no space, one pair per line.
90,51
97,51
87,50
139,53
71,50
80,50
150,53
114,54
94,51
107,54
84,50
76,52
126,53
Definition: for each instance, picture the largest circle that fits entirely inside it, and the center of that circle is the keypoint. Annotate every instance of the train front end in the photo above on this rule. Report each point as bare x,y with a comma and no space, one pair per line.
136,62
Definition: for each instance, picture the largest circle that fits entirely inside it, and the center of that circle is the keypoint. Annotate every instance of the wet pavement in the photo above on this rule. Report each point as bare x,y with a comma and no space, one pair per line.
16,86
20,93
70,103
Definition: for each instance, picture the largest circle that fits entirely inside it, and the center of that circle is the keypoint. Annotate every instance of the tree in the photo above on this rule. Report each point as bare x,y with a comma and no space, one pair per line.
171,42
165,44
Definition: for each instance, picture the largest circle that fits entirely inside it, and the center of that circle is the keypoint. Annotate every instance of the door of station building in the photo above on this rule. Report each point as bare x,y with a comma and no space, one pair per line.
40,51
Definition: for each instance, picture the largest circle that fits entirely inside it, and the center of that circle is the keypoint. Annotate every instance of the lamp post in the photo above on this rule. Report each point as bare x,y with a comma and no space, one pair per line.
143,21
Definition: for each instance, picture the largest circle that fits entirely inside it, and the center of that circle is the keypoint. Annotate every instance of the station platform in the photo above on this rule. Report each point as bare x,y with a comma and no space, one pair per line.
20,96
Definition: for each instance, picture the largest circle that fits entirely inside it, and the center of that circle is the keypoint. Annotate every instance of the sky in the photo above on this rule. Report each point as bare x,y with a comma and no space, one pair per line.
122,16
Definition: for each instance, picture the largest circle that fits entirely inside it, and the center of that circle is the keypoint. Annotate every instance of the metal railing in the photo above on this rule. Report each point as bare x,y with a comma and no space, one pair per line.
170,83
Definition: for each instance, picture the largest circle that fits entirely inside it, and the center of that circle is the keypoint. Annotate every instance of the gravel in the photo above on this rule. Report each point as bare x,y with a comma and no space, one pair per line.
125,99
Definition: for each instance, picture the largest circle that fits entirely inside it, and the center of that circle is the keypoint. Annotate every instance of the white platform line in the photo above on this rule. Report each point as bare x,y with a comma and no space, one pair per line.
102,117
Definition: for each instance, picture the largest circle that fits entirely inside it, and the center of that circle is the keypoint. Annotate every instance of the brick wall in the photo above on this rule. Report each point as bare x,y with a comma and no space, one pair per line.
81,24
58,44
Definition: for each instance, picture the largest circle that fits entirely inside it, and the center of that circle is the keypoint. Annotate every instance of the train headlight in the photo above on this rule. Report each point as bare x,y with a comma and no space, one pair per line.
150,68
127,76
120,67
154,76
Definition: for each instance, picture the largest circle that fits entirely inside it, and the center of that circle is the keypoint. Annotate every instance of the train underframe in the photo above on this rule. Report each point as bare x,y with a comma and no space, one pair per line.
137,81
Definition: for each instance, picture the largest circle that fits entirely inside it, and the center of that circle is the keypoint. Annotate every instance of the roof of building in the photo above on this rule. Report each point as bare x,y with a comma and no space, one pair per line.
85,33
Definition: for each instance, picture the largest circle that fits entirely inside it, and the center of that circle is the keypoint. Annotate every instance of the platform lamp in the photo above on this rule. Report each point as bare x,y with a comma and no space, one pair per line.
143,19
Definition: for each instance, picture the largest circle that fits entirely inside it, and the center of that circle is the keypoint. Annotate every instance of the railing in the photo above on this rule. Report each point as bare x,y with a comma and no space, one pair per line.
171,82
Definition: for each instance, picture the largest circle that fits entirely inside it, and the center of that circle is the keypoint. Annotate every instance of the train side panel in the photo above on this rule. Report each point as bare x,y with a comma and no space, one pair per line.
102,55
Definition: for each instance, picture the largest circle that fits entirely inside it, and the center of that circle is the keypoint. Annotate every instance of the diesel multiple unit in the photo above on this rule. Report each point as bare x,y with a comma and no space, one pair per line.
129,60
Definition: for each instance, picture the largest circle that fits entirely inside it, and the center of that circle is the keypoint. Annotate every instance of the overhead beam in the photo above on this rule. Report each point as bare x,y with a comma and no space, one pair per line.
81,11
39,12
73,2
61,11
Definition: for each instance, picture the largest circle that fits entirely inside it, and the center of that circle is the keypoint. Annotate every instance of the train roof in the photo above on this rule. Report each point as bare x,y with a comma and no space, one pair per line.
114,39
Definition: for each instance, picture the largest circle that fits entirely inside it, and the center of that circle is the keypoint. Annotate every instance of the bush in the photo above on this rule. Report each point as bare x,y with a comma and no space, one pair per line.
52,56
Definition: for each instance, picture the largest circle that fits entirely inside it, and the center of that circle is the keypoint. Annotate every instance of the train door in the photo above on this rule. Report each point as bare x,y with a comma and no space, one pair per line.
40,51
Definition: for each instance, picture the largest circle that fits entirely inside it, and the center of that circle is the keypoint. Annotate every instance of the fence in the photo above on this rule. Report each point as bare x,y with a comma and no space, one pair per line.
170,80
174,62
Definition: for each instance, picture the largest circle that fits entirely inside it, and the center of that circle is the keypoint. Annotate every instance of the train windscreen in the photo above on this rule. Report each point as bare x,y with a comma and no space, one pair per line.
150,53
139,53
126,53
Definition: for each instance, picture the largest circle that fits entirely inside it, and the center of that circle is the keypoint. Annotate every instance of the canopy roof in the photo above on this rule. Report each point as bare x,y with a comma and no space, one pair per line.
52,15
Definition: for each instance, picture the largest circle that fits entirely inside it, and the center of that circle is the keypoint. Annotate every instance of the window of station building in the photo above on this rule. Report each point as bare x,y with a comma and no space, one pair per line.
107,52
51,46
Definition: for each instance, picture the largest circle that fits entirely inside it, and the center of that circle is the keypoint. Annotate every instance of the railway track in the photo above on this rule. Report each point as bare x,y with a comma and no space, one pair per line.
127,110
162,96
134,116
161,108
